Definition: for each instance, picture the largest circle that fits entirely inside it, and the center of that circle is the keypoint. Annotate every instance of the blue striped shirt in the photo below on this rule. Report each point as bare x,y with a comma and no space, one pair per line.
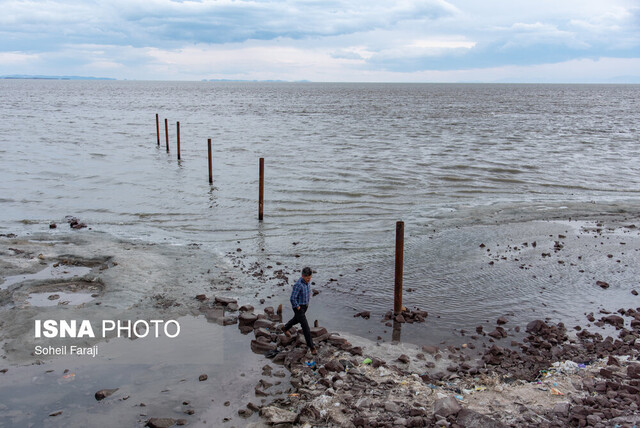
300,294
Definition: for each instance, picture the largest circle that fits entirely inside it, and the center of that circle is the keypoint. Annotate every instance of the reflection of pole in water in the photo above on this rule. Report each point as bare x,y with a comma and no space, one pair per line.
397,331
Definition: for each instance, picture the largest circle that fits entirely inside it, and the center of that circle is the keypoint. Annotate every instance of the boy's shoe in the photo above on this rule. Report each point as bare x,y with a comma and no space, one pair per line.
314,351
286,333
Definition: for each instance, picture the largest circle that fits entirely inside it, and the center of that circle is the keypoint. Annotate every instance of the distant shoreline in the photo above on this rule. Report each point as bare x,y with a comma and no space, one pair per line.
39,77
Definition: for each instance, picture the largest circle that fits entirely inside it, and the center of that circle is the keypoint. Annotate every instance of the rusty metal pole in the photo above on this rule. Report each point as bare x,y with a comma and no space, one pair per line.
166,133
261,191
397,295
178,133
158,128
210,163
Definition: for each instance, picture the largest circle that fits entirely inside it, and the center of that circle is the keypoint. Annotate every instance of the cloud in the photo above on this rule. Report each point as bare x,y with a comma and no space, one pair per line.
152,22
310,39
17,58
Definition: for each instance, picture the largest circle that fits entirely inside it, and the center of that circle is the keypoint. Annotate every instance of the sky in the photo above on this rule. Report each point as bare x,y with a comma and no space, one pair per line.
572,41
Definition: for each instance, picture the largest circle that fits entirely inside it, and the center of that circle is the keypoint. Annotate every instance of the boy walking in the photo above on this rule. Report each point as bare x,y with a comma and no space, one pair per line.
300,296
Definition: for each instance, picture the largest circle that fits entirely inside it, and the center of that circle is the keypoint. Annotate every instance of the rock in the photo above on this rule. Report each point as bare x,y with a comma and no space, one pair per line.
614,320
318,331
262,347
58,413
602,284
181,422
634,292
334,366
275,415
561,409
391,407
160,423
403,359
470,419
229,320
502,320
535,326
633,371
363,314
262,332
446,406
246,308
376,362
104,393
430,349
201,297
399,318
337,340
203,377
253,407
247,318
356,350
53,226
224,301
496,334
264,323
269,310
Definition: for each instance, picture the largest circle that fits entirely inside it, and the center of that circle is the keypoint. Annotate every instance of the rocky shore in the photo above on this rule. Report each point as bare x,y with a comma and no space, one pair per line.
499,373
549,379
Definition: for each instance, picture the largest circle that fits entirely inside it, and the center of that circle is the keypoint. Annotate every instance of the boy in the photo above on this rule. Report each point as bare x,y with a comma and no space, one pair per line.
300,296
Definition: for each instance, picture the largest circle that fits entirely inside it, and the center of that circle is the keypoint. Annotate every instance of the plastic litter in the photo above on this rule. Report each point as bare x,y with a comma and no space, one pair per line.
69,377
556,391
311,364
459,397
367,361
566,366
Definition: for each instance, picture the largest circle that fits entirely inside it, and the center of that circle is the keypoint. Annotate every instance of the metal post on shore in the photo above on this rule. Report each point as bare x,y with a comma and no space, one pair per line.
158,128
397,295
166,132
178,133
261,191
210,163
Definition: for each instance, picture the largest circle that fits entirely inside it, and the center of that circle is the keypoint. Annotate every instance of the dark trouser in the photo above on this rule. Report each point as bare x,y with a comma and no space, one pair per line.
299,317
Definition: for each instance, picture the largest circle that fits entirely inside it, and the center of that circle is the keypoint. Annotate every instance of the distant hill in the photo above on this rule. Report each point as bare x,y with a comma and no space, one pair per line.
41,77
256,81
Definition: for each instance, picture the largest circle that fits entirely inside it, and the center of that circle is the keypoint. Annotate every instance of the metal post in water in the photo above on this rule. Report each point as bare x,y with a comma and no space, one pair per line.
210,163
158,128
261,191
178,133
397,294
166,132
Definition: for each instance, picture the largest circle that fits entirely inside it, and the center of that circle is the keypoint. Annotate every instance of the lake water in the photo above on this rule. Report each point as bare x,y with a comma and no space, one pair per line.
460,164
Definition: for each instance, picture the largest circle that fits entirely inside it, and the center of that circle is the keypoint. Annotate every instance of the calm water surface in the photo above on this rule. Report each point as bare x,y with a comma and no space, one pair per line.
458,163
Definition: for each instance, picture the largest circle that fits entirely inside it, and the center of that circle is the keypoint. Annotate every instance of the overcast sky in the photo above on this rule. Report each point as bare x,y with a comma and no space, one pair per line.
325,40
